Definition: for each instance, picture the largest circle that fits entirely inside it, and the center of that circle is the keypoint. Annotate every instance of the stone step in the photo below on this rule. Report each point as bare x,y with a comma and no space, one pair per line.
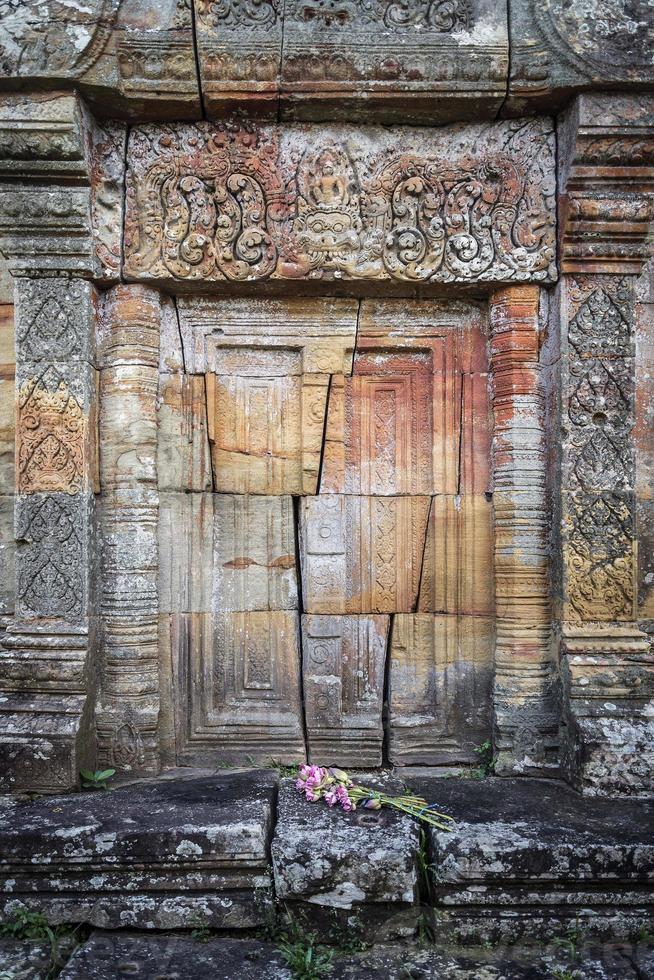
531,855
158,854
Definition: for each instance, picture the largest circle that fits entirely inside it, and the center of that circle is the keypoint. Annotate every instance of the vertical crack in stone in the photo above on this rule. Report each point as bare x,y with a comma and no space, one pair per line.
297,502
196,57
356,334
208,429
181,336
324,434
416,603
386,703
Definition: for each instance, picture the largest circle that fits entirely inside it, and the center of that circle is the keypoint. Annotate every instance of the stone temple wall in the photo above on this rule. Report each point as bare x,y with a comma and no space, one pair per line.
327,431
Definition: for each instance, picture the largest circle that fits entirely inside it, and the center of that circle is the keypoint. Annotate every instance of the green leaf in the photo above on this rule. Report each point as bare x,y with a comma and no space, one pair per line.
105,774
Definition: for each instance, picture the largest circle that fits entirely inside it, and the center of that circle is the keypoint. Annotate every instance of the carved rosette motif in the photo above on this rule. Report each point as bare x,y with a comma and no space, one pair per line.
236,202
598,454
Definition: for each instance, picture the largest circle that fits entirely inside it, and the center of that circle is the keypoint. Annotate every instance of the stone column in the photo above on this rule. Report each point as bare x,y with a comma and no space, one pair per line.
128,707
606,665
49,229
525,724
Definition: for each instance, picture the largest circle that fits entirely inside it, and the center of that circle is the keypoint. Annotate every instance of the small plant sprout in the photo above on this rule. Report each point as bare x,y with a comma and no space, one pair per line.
96,778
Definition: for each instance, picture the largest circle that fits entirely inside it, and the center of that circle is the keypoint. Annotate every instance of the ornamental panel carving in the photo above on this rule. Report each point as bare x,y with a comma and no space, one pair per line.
242,203
53,319
51,433
343,661
598,534
362,554
237,680
52,555
414,416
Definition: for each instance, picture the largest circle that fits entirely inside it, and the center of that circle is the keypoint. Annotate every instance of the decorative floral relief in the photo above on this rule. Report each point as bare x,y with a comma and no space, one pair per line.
222,14
50,562
600,557
50,436
51,313
240,202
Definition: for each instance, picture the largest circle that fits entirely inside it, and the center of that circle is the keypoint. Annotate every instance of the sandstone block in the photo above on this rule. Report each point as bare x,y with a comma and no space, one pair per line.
361,554
186,558
342,860
104,954
343,660
458,566
236,678
412,418
441,675
557,48
391,63
203,840
183,459
267,369
254,553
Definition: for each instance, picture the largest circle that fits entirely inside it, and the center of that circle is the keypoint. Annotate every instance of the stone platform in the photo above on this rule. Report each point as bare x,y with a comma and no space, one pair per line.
527,858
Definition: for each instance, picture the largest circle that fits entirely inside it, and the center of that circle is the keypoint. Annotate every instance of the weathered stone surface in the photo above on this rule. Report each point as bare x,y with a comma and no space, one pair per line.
527,854
361,554
644,440
267,370
46,223
527,960
606,180
128,702
394,62
155,855
127,58
318,203
108,955
186,551
254,553
558,48
340,860
525,712
25,959
403,422
343,660
183,458
440,688
235,680
457,570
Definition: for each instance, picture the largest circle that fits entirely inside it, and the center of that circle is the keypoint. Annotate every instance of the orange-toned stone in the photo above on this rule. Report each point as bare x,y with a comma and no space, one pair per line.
458,570
414,418
361,554
7,399
183,458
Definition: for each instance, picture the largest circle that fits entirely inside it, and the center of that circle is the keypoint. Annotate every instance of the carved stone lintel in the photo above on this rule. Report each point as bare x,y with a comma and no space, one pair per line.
355,205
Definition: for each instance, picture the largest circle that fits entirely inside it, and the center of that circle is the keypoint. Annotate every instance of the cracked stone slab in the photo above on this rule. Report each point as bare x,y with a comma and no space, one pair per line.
535,852
340,860
106,956
155,855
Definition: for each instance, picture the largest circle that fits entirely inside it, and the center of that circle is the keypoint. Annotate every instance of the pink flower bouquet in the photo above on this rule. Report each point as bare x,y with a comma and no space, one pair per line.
336,788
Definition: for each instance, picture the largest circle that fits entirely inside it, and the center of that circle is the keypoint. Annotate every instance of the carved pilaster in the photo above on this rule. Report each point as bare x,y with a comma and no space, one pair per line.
525,721
44,730
607,163
128,707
